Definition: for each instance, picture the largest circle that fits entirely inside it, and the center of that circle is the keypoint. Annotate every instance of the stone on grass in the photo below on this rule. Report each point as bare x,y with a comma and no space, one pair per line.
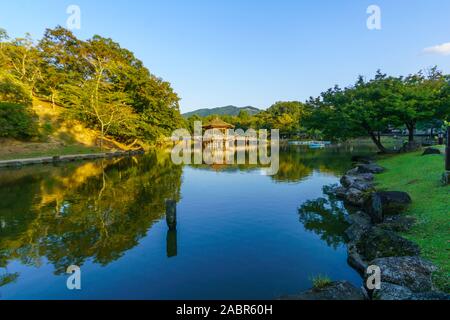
429,151
370,168
379,243
413,272
380,204
339,290
398,223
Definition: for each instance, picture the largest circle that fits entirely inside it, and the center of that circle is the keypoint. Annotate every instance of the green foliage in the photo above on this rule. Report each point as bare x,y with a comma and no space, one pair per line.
320,281
97,81
12,90
380,104
17,121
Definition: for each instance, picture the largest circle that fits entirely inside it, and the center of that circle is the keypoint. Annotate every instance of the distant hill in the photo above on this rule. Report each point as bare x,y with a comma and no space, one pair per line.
227,110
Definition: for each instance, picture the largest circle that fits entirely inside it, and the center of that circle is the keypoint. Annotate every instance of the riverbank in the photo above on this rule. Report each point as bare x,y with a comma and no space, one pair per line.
66,158
420,176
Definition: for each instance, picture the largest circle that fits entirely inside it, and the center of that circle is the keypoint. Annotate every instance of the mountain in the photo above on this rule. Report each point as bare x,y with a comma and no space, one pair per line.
227,110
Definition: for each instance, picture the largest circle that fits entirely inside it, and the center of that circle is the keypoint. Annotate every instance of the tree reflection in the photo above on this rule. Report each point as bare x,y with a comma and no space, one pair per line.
97,210
326,218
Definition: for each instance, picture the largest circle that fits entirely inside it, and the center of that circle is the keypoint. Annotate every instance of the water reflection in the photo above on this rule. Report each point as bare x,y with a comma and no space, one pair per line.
298,162
92,213
327,218
96,210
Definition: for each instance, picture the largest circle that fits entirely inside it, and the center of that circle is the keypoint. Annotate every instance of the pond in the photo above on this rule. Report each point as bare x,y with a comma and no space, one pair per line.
240,234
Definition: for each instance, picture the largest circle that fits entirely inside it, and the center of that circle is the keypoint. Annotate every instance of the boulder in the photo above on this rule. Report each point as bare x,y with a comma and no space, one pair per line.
380,204
361,182
374,208
429,151
370,168
355,260
398,223
432,295
360,223
355,197
339,290
378,243
411,272
390,291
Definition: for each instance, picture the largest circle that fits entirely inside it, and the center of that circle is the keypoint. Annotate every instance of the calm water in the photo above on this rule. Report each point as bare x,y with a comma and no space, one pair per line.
240,234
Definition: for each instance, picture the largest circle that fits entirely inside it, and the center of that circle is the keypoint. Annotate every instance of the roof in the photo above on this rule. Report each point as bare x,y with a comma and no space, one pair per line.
218,123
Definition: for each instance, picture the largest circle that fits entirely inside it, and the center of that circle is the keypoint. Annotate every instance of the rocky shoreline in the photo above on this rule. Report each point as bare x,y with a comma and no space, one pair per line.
373,241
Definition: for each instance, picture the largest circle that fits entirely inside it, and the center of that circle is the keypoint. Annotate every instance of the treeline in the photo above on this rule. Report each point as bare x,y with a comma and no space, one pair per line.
97,82
367,108
287,116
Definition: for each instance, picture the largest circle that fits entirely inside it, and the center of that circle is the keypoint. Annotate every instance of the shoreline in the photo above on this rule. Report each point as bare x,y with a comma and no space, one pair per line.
17,163
377,223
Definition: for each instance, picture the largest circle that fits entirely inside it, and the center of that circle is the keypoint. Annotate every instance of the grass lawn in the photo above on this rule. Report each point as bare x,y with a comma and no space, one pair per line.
420,176
57,151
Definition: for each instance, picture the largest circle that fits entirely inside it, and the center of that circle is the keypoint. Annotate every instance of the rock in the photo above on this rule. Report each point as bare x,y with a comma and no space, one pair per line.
378,243
429,151
356,182
355,197
339,290
361,219
352,172
411,272
390,291
394,202
360,224
341,192
380,204
432,295
374,208
355,260
398,223
370,168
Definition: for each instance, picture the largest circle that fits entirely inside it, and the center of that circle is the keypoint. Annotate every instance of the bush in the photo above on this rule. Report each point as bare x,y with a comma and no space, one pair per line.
17,121
321,282
14,91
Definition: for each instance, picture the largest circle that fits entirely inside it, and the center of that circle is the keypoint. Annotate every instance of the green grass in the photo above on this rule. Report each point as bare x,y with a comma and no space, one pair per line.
61,151
420,176
320,281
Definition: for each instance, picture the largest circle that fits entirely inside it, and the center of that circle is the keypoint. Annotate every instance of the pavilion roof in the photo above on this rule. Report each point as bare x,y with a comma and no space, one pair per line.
218,123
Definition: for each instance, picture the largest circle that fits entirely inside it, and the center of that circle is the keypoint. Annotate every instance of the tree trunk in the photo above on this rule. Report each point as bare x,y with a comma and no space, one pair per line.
411,128
377,141
53,101
101,138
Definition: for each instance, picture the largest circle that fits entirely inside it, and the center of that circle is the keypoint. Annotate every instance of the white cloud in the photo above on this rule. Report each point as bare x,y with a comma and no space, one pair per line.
442,49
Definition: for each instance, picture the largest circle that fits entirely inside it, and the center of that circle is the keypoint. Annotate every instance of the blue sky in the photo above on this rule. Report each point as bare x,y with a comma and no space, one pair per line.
254,52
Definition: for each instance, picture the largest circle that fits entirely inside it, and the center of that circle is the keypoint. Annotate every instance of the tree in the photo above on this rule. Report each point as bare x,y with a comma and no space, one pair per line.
98,101
420,99
21,60
362,109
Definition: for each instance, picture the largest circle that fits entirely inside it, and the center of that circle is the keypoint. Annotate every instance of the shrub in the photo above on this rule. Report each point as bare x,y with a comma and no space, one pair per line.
320,282
12,90
17,121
